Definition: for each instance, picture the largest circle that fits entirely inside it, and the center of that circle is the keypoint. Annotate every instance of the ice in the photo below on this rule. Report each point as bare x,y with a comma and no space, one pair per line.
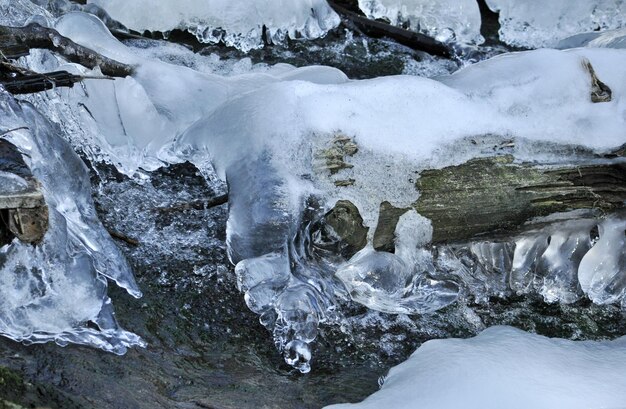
505,367
52,291
602,271
448,20
607,39
237,23
291,143
562,262
274,165
397,283
129,120
12,183
21,12
535,23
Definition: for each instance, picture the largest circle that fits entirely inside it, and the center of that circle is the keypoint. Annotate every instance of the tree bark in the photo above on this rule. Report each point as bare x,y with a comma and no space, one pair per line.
495,198
494,195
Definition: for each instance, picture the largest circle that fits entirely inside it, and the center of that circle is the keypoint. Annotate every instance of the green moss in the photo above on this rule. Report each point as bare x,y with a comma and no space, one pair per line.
11,383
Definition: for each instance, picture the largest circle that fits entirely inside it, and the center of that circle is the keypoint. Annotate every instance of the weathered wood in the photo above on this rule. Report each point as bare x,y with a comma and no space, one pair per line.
121,236
388,217
378,29
37,36
491,195
29,225
347,225
494,198
23,211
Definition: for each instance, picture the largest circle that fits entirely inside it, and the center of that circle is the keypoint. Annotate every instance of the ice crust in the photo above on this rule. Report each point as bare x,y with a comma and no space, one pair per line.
236,23
448,20
535,23
21,12
52,291
268,134
605,39
505,367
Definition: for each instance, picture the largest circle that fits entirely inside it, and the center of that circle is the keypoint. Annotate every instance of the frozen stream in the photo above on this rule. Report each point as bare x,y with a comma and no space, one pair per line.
229,305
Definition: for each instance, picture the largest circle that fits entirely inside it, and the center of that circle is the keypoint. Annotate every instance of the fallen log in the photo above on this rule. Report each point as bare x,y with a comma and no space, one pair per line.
378,29
495,198
494,195
37,36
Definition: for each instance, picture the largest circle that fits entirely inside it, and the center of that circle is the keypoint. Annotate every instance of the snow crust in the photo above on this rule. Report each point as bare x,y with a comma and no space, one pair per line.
447,20
506,368
237,23
535,23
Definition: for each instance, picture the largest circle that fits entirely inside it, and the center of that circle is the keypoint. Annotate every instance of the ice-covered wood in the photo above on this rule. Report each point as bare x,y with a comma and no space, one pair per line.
378,29
37,36
495,197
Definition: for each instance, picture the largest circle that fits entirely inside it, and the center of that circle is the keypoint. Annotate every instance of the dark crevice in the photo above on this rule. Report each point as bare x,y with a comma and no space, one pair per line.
490,24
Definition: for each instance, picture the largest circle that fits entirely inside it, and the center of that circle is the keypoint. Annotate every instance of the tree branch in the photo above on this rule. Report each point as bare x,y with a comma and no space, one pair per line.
379,29
37,36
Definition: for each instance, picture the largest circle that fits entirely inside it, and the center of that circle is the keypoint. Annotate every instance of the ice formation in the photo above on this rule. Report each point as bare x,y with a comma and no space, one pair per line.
236,23
535,23
604,39
21,12
269,161
56,290
563,262
506,368
449,20
292,142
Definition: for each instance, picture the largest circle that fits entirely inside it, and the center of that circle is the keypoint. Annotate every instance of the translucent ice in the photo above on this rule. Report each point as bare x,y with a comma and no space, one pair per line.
445,20
535,23
506,368
52,291
602,271
561,262
237,23
397,283
21,12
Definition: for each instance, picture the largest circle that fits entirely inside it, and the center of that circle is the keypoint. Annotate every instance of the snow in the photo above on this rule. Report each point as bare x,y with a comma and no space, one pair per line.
447,20
506,368
237,23
535,23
